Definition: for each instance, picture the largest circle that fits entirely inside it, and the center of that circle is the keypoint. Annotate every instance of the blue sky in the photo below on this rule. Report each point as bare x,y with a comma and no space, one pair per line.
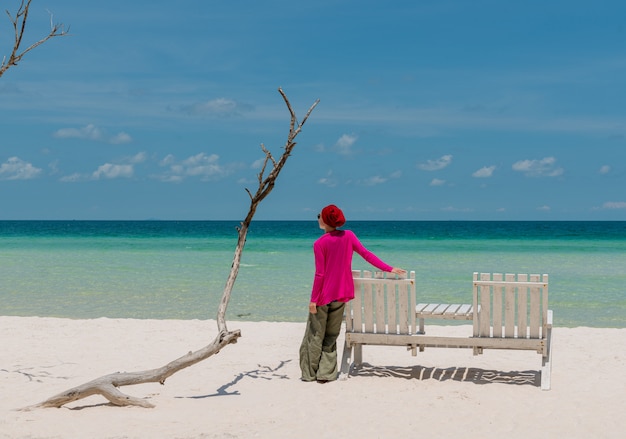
429,110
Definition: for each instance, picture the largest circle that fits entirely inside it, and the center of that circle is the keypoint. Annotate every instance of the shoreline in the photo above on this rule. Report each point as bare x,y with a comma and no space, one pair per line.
252,388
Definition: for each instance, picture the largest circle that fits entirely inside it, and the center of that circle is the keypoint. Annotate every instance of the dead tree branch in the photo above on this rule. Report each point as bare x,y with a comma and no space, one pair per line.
108,385
19,27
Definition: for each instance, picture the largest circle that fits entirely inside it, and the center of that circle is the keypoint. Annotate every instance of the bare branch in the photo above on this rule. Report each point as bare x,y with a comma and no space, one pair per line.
19,28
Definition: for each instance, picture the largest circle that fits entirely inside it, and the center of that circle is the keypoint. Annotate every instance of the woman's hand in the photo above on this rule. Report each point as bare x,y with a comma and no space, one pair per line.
313,308
399,271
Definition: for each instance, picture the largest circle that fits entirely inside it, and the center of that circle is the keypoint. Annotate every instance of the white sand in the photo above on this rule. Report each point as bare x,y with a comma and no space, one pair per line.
252,389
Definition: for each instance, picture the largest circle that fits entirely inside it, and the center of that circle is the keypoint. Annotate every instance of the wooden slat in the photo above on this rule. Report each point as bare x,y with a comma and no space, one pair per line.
485,312
357,303
509,307
412,299
465,309
430,308
476,329
516,283
497,305
443,341
441,308
379,303
392,316
420,307
404,310
368,305
535,308
545,307
452,310
522,308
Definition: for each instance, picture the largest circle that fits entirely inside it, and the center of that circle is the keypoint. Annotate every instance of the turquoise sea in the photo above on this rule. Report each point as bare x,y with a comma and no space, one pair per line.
178,269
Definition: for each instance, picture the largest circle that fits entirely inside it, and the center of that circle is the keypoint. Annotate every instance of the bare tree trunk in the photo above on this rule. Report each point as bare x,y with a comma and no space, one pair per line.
108,385
19,27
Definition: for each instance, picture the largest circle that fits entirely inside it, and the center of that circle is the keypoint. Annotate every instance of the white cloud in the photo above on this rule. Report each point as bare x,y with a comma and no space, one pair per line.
345,142
544,208
257,164
138,158
614,205
203,166
379,179
167,160
538,168
329,180
484,172
17,169
375,180
120,138
73,178
89,132
319,147
605,169
110,171
221,107
457,209
435,165
437,182
92,132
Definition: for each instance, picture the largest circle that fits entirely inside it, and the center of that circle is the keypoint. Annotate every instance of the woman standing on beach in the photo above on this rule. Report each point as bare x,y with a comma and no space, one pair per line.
332,288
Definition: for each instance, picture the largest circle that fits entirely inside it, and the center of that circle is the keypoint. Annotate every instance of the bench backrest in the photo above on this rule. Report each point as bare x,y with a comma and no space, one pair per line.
383,303
510,305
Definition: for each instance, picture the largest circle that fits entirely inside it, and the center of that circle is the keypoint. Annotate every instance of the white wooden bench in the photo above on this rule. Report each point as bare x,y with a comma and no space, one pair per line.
508,312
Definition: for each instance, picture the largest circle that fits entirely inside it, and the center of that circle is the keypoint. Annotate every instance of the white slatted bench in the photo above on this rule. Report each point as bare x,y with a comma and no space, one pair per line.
508,312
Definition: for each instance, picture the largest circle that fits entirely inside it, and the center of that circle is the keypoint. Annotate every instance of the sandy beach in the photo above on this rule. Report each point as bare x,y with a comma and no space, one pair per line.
252,389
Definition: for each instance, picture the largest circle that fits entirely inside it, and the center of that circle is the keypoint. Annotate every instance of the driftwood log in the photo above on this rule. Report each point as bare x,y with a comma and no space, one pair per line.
108,385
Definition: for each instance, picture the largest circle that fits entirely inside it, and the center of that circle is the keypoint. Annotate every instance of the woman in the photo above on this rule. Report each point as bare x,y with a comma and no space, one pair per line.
332,288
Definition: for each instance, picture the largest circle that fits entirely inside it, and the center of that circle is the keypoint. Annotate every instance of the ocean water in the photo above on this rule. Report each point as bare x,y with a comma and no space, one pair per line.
178,270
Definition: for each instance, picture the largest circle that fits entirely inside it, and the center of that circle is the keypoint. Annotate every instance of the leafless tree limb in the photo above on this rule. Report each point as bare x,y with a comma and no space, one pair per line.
19,27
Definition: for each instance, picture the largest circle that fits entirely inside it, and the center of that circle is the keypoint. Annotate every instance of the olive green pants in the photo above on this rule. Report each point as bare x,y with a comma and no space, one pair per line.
318,351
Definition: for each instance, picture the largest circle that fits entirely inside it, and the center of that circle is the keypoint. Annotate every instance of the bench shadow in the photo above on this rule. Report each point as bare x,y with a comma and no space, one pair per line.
462,374
263,372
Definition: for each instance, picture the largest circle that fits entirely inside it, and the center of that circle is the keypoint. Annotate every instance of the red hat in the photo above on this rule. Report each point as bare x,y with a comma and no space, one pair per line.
333,216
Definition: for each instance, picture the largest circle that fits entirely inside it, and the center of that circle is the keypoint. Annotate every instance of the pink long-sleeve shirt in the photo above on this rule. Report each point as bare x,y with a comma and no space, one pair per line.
333,266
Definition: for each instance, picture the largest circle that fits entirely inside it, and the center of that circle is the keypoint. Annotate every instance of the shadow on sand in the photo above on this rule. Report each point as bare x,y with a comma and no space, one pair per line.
465,374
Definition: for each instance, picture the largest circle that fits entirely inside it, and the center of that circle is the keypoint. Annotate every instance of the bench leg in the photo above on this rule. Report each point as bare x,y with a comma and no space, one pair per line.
346,361
546,363
358,354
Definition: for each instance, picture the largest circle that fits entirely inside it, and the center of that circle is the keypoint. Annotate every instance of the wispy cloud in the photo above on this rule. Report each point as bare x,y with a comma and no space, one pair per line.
92,132
545,167
605,169
457,209
437,182
379,179
344,144
328,180
614,205
484,172
111,171
17,169
220,107
203,166
435,165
